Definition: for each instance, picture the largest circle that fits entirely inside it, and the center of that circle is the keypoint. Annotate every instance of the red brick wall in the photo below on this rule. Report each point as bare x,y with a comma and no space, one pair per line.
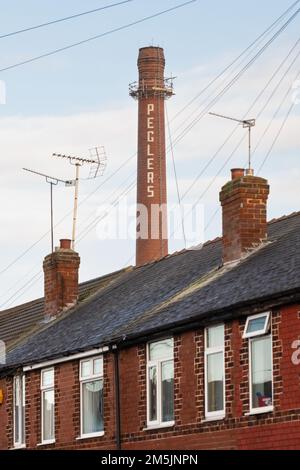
60,280
279,429
151,65
6,437
244,209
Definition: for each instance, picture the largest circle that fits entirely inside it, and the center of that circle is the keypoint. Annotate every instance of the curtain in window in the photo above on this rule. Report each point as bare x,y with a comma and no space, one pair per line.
261,371
48,415
167,377
215,382
92,406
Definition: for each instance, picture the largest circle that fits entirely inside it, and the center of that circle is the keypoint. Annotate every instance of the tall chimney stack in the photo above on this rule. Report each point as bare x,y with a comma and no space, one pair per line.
60,279
244,203
151,92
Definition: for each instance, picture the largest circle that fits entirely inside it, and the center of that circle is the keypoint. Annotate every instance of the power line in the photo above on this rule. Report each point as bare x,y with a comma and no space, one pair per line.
98,219
28,284
175,174
266,129
24,253
233,81
98,36
247,112
270,28
242,139
275,114
93,192
278,133
48,23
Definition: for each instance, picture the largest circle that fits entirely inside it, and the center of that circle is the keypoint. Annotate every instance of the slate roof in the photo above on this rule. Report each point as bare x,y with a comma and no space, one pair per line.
18,321
182,289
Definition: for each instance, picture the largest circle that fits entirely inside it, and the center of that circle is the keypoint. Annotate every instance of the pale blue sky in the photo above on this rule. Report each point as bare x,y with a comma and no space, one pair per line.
79,98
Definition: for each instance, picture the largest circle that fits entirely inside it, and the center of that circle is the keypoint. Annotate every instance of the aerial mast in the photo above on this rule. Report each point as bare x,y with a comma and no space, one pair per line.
97,161
52,181
247,123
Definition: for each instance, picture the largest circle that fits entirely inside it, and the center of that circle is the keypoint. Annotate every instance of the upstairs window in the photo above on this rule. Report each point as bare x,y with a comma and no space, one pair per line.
257,329
19,411
47,399
160,383
214,372
257,325
91,397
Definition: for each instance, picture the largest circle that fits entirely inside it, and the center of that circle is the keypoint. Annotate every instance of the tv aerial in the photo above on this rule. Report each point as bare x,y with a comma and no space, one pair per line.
247,124
97,161
52,181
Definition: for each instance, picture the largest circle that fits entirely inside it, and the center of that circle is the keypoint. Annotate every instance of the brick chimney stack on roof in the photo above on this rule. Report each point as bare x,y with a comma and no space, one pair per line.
151,92
244,204
61,279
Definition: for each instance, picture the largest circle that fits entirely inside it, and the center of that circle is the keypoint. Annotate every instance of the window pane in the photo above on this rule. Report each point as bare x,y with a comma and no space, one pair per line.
161,349
215,336
92,407
167,387
48,378
48,415
215,385
152,394
256,324
86,368
98,369
261,371
17,409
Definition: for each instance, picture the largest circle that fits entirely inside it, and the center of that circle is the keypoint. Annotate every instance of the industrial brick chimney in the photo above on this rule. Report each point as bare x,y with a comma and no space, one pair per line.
61,279
151,91
244,203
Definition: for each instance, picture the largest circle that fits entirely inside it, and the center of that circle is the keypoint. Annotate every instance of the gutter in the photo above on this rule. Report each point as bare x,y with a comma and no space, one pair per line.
231,312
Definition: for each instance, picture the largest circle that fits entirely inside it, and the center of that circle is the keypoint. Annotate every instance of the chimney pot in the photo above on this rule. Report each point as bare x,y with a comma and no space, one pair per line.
65,244
237,173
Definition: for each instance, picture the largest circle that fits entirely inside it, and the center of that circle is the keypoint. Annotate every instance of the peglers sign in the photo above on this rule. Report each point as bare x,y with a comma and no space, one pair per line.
150,150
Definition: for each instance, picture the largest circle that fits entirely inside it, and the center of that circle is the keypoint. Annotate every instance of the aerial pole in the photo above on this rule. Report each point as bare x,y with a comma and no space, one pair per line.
97,161
247,123
52,181
75,211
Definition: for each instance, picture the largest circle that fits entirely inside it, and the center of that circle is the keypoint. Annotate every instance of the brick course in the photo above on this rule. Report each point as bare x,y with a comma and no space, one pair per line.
279,429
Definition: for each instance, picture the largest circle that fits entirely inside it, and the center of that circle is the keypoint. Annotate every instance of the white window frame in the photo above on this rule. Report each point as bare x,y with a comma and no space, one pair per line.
263,331
157,363
220,414
261,409
21,423
47,388
82,380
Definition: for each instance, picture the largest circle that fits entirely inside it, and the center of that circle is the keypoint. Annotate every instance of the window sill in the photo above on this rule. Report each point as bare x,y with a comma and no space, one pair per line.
90,436
46,443
260,411
209,419
18,447
151,427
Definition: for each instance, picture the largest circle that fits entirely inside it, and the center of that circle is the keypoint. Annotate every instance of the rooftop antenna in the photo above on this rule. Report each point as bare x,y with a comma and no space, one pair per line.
52,181
247,123
97,161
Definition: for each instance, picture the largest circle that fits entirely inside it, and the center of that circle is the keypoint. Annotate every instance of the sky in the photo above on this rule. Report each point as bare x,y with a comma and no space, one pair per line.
78,99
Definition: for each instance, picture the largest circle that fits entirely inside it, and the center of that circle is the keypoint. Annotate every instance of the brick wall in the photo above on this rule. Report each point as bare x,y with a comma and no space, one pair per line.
279,429
151,180
244,214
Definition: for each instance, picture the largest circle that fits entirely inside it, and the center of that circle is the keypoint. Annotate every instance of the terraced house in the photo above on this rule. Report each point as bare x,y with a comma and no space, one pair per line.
194,350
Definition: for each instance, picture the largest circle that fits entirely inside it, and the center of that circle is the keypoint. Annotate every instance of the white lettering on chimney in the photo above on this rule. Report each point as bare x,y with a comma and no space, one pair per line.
150,149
